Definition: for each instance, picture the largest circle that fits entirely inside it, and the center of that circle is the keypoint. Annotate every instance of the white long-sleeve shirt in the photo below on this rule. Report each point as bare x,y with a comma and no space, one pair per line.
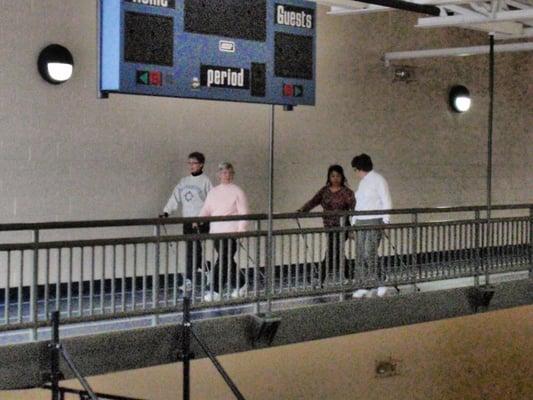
191,192
372,194
224,200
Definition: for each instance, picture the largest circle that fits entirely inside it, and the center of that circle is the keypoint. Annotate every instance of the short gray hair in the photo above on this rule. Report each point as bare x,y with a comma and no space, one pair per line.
226,165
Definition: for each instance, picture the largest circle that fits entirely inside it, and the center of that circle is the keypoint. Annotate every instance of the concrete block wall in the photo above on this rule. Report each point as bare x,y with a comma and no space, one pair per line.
65,155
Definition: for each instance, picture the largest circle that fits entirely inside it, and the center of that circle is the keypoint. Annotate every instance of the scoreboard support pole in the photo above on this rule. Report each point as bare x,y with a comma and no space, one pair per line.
270,247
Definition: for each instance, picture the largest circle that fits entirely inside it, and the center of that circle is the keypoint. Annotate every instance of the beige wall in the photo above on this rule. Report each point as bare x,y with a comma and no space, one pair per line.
480,357
64,154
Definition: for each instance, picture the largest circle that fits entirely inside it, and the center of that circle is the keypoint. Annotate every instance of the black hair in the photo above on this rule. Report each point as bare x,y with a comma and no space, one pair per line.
362,162
198,157
338,169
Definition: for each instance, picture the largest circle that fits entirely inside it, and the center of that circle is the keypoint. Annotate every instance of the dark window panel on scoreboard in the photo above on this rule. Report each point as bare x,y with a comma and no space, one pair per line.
237,19
293,56
149,39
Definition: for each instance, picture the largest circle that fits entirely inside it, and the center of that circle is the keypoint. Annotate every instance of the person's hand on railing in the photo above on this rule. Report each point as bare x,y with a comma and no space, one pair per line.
164,215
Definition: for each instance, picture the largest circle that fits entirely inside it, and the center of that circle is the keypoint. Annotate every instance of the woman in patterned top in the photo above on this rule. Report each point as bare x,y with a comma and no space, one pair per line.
335,196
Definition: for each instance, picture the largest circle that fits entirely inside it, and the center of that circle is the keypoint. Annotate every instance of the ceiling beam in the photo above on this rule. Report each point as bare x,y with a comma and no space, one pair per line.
456,51
458,20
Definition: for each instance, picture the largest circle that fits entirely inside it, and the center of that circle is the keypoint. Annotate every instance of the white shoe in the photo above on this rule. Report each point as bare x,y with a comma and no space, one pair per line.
241,292
360,293
214,297
384,291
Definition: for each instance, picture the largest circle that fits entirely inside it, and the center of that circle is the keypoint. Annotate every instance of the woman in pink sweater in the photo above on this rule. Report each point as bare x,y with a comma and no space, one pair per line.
224,200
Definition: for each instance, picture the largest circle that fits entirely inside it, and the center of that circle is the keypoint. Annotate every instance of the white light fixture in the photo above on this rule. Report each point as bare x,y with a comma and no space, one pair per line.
55,64
459,99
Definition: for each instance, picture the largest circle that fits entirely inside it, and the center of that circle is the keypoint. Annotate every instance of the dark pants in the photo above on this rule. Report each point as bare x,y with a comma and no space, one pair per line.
194,247
226,249
334,252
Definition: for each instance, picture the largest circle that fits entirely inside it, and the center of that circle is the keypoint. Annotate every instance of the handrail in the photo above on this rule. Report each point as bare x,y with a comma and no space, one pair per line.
248,217
236,235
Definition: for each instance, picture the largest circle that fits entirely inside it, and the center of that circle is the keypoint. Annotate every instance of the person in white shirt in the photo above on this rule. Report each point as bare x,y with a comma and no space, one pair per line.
191,192
372,194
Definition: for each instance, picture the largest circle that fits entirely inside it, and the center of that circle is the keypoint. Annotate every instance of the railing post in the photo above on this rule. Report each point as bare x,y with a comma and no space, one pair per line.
257,266
414,247
340,247
34,307
478,261
530,242
155,277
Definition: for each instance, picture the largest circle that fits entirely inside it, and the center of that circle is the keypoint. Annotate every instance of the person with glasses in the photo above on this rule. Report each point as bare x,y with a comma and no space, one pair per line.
191,192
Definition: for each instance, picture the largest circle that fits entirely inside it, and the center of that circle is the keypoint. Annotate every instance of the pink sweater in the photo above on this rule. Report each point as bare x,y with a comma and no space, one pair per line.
223,200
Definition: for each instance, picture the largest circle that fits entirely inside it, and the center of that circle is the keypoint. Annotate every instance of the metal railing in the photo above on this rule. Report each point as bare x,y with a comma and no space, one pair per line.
92,270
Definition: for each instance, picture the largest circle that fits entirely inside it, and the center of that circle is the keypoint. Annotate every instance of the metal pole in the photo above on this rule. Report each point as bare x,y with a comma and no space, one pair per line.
270,256
186,345
489,156
54,357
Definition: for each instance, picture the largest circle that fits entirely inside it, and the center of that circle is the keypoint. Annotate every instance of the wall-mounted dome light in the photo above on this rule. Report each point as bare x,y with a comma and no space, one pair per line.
55,64
459,99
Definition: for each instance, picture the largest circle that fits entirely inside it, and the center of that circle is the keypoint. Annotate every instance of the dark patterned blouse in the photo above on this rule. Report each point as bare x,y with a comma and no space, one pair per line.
342,200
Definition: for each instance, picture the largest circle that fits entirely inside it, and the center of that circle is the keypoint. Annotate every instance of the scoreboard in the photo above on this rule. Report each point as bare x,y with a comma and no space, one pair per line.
259,51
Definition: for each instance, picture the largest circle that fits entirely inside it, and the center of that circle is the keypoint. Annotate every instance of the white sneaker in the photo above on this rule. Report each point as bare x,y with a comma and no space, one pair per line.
360,293
384,291
214,297
241,292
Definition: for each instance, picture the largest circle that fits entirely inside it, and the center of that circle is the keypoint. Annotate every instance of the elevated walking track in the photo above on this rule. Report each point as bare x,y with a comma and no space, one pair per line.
119,285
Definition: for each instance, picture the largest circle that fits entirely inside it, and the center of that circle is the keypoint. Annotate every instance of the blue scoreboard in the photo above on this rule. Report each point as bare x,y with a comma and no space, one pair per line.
260,51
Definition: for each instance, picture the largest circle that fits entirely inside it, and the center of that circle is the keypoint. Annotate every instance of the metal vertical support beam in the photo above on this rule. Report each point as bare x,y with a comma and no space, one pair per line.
186,345
257,266
34,307
489,156
270,247
55,349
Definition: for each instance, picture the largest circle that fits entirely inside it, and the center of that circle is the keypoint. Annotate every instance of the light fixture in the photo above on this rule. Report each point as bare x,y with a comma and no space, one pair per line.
55,64
459,99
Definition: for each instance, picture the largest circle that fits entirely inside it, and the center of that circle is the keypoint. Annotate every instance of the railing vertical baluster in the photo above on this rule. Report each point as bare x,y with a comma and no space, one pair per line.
80,282
290,269
113,277
20,288
155,276
69,282
530,247
478,260
165,277
298,264
282,262
34,300
8,288
123,280
145,276
58,278
102,281
342,251
91,282
46,283
257,266
305,262
414,264
134,278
